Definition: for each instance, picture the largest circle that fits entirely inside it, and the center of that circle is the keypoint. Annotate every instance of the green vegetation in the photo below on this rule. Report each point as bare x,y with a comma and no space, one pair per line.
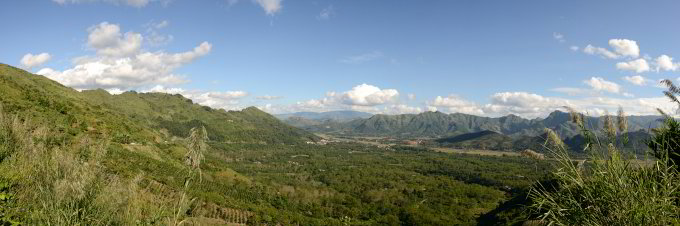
438,125
610,188
91,158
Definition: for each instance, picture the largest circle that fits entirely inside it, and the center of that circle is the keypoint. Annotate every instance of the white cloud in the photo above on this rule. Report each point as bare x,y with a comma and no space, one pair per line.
636,80
665,62
622,48
29,61
228,95
364,97
270,7
599,84
401,109
115,91
130,70
573,48
154,37
639,65
362,58
528,105
524,104
107,40
625,47
228,100
531,105
162,89
592,50
268,97
368,95
454,103
326,13
559,37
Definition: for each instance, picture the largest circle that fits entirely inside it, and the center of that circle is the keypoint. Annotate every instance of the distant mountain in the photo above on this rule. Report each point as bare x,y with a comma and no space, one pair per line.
438,124
314,121
340,116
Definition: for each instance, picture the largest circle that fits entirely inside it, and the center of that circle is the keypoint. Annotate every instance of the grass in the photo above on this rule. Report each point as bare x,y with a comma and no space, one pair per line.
609,188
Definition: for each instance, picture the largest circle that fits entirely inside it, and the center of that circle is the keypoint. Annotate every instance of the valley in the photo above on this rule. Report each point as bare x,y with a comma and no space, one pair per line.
92,154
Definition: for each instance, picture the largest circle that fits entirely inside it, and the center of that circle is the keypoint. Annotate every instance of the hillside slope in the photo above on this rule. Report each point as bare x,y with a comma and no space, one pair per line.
485,140
134,117
105,156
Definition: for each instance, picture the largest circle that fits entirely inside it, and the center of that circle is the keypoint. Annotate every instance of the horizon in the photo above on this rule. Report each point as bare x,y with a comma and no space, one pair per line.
319,56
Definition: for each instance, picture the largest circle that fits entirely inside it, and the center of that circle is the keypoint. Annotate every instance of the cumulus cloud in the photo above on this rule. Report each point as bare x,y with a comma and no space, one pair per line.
119,66
599,84
270,7
363,97
154,36
622,48
29,60
228,100
636,80
368,95
107,40
524,104
454,103
639,65
573,48
592,50
362,58
665,62
625,47
530,105
401,109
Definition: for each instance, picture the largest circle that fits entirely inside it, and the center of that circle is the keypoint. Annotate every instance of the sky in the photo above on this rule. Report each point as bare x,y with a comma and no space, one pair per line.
488,58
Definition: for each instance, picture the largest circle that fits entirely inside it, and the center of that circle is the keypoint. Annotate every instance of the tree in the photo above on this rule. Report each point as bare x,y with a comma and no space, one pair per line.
665,143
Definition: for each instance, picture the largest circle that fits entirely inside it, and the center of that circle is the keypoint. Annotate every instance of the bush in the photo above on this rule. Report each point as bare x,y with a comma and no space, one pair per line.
608,188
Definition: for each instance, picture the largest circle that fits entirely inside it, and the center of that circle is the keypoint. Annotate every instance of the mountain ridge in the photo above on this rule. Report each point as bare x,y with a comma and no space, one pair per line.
438,125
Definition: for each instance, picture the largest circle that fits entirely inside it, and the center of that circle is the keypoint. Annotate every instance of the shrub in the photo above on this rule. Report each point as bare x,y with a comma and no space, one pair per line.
608,188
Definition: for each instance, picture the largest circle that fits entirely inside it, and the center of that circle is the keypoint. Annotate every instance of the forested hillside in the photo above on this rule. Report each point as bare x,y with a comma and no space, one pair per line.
91,158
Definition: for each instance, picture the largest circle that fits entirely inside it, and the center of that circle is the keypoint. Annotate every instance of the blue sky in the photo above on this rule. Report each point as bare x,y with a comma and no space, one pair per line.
478,57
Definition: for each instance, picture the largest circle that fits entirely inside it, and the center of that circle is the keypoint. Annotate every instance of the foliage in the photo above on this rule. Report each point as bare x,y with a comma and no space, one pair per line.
665,143
91,158
610,189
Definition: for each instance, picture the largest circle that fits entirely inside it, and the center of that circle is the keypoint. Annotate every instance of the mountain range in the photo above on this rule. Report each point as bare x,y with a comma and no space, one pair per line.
459,130
438,125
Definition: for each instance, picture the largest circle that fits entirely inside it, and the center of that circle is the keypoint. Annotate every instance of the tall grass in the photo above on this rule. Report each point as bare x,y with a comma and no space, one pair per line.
607,189
53,183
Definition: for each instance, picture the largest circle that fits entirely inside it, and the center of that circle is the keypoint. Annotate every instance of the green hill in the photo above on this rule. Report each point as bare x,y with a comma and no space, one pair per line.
72,157
134,117
486,140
